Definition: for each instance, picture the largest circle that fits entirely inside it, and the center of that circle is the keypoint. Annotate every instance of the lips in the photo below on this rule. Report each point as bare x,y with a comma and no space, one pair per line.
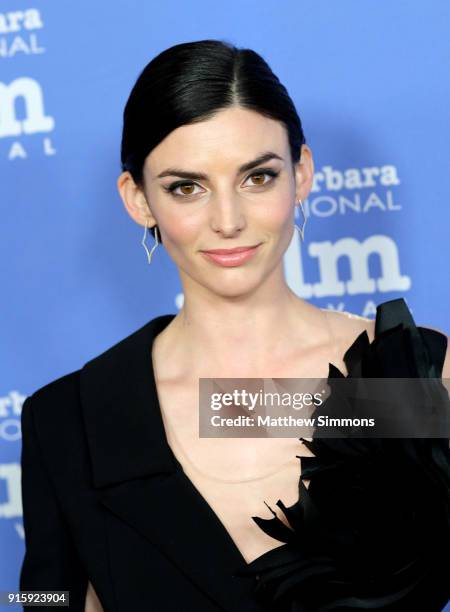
231,251
230,258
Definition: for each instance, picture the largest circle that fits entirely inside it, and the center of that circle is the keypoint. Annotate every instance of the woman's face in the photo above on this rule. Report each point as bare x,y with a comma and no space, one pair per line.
202,198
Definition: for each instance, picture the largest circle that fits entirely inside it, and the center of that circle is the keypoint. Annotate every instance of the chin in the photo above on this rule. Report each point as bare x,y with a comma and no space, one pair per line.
234,286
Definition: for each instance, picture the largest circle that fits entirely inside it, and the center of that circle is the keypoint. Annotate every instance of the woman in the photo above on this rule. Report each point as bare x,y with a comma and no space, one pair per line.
124,504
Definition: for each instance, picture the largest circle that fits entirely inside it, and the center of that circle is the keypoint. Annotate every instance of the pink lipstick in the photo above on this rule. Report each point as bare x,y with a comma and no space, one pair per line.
231,257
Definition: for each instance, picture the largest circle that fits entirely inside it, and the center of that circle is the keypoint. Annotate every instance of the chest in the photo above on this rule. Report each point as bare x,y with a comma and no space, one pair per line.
235,476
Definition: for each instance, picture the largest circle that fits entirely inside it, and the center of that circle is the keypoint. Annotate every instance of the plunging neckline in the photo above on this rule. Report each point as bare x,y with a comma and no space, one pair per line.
179,470
178,467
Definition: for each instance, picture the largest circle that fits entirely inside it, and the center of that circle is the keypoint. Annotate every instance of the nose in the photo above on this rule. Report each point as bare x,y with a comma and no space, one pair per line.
227,216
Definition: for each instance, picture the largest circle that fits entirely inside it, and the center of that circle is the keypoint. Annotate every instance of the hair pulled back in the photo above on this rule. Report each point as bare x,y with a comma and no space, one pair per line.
190,82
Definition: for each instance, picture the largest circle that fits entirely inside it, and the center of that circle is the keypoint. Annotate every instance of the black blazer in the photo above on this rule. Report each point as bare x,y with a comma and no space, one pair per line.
105,499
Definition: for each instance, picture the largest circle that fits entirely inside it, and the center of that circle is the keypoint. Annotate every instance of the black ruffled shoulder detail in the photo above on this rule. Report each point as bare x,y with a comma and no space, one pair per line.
372,530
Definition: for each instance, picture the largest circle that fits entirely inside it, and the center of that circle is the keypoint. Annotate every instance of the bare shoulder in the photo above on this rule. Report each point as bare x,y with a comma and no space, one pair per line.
347,326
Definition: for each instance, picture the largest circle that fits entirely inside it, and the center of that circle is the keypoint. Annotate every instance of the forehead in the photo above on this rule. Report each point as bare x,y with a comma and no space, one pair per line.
233,136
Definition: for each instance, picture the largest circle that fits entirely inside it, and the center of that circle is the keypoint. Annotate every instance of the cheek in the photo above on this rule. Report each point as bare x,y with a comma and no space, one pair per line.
276,212
180,231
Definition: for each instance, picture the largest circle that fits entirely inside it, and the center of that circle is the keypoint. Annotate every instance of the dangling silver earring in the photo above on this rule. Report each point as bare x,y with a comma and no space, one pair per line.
155,234
301,229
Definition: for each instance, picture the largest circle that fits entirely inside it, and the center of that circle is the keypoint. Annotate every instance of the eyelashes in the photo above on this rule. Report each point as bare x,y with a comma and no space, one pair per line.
171,188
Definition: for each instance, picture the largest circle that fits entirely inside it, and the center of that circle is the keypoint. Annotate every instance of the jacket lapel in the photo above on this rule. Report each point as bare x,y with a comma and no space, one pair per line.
139,479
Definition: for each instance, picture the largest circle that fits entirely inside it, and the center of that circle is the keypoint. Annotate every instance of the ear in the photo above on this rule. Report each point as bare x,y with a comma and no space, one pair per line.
304,174
134,200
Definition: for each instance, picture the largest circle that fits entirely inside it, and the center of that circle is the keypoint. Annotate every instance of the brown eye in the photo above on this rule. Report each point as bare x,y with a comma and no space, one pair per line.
187,189
259,178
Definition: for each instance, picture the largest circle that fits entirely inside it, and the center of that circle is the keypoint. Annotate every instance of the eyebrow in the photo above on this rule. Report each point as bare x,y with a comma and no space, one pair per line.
261,159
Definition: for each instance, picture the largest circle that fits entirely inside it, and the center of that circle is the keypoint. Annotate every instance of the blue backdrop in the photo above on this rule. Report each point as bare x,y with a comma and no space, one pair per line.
370,82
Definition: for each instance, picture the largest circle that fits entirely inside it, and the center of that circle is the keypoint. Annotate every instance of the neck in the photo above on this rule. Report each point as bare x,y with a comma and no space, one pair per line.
243,337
